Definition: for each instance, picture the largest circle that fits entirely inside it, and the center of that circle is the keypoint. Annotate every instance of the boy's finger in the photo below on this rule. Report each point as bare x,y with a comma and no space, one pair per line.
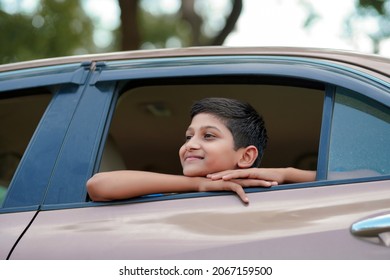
237,174
241,193
231,174
218,175
237,188
255,183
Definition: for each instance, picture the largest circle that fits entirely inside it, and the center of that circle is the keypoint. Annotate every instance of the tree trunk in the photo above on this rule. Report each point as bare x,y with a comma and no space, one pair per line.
195,21
230,23
188,14
131,39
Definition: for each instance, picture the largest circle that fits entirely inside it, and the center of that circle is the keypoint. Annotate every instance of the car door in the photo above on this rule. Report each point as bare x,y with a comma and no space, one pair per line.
296,221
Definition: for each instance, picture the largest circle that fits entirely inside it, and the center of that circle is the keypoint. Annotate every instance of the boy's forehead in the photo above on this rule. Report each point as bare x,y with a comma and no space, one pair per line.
206,120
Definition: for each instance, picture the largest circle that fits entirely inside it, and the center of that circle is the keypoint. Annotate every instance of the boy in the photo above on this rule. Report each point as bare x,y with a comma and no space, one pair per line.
224,145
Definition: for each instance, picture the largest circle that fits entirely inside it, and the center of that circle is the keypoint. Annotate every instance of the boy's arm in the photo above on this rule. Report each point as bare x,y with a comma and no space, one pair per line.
294,175
276,175
126,184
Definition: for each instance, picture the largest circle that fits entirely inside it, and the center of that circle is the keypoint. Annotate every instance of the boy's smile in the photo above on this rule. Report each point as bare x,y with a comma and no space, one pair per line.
209,147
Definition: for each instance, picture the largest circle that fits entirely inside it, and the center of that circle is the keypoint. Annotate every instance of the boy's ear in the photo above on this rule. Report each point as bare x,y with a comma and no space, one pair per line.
248,157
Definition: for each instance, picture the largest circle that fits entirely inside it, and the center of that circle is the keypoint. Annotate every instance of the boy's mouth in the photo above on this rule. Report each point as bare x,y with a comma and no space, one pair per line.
193,157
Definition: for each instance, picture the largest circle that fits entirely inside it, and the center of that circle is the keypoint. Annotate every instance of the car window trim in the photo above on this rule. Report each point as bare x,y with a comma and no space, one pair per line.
326,126
329,95
65,189
20,209
37,77
194,195
29,173
316,70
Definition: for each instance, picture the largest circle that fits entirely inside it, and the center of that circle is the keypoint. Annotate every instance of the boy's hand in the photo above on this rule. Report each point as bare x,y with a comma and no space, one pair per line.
208,185
251,177
235,185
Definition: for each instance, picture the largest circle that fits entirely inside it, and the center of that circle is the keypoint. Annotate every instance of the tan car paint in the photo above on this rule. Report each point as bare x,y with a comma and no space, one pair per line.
11,228
306,223
375,65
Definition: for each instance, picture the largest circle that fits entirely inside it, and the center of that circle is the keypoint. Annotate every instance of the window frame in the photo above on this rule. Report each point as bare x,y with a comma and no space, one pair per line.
66,84
110,78
330,74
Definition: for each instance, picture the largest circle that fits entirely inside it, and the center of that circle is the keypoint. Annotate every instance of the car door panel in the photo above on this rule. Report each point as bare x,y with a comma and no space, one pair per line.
12,226
301,223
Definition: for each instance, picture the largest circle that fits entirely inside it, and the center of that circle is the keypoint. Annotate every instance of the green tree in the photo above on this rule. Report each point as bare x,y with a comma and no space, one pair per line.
55,28
371,17
189,26
62,27
369,20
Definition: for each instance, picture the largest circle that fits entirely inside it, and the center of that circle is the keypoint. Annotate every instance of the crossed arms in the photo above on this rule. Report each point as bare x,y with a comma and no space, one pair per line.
129,183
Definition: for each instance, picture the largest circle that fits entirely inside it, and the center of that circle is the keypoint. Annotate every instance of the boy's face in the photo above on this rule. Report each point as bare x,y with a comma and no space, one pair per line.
209,147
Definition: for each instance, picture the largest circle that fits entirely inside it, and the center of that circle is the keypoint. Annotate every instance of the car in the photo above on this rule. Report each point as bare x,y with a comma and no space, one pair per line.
64,119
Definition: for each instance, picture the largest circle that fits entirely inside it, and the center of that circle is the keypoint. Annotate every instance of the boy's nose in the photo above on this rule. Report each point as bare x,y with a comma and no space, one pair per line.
192,144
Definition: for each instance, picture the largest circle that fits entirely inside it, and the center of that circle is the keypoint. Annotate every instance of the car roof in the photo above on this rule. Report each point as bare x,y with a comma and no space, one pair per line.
375,63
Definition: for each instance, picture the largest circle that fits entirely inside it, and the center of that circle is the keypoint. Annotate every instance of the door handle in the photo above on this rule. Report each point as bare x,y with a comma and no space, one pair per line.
378,226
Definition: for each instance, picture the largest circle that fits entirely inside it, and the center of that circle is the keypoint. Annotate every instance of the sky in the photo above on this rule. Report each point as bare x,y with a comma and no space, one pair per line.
261,23
280,22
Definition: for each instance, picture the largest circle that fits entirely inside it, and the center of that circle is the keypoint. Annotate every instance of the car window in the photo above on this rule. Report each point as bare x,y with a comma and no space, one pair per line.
149,123
360,137
20,113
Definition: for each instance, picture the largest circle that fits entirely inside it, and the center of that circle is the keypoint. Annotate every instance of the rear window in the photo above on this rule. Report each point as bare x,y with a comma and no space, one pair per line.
20,113
360,137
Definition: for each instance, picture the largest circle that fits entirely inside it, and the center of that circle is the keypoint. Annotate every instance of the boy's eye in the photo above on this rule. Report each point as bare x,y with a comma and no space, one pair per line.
208,136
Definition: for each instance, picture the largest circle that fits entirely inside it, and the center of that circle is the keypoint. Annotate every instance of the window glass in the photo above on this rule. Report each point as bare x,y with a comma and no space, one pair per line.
20,113
360,137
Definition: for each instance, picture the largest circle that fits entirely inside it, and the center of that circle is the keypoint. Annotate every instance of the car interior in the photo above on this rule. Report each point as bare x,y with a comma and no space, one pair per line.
149,123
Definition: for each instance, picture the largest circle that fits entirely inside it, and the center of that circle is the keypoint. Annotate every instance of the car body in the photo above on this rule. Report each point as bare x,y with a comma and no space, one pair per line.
64,119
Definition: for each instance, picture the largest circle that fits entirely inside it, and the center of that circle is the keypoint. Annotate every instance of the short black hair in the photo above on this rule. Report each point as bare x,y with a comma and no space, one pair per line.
243,121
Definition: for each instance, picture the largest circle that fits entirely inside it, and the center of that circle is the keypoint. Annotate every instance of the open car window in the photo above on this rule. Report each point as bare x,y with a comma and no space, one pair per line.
149,123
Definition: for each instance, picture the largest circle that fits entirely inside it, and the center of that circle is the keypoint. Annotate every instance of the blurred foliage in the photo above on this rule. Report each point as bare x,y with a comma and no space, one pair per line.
62,27
55,28
368,22
157,30
378,5
376,15
194,23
